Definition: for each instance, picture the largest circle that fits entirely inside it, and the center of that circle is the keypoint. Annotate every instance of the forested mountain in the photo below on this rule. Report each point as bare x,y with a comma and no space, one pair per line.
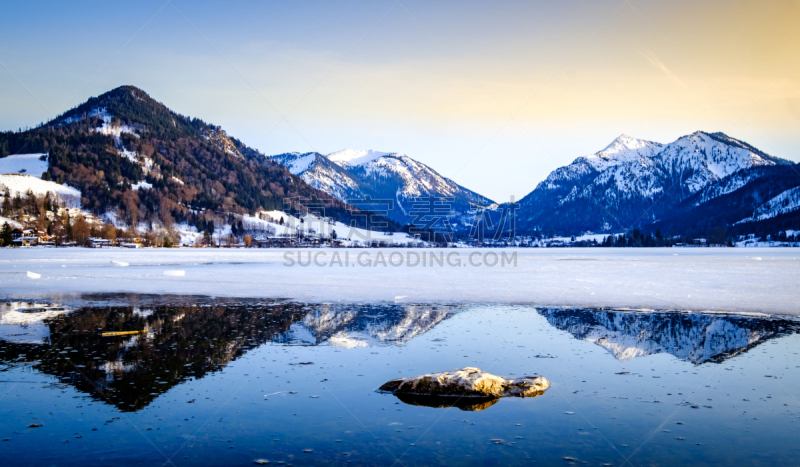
129,154
760,200
636,183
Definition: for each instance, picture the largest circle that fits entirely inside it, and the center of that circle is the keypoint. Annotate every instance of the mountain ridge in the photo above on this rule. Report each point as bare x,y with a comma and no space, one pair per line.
634,182
132,155
357,174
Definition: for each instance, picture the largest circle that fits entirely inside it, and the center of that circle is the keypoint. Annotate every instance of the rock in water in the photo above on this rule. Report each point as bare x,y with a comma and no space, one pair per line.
467,382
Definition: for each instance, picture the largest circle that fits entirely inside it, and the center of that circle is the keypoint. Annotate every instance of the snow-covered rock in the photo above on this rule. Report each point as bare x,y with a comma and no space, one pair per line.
467,382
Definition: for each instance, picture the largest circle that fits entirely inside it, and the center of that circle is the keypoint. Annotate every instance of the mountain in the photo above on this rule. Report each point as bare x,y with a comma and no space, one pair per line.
634,182
134,157
354,175
761,200
695,338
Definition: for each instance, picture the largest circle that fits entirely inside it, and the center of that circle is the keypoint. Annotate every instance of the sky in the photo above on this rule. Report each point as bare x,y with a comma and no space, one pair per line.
494,95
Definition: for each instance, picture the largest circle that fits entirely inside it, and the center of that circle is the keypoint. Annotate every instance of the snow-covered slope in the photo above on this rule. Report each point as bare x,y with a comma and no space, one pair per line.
29,164
784,203
354,175
324,174
355,157
21,184
726,185
634,181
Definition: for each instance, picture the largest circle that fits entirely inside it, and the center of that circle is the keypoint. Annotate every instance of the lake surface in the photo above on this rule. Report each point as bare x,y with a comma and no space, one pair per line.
204,381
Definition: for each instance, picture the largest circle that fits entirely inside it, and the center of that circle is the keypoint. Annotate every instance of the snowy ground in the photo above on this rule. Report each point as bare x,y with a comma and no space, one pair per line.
343,232
11,222
730,280
29,164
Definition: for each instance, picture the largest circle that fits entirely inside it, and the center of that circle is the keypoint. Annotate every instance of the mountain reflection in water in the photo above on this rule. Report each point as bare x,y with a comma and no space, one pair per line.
692,337
183,337
186,337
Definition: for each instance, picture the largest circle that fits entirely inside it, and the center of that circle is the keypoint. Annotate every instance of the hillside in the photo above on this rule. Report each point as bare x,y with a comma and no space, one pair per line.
761,200
130,155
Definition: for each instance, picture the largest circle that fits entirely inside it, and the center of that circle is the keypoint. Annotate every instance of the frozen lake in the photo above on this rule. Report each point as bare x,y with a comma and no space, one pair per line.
753,280
232,381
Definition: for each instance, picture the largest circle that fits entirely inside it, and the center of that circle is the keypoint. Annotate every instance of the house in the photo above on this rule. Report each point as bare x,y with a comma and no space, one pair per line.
100,242
26,241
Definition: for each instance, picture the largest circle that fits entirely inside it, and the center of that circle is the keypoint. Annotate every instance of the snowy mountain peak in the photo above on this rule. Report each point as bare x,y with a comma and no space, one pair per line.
636,181
623,142
623,149
353,157
352,174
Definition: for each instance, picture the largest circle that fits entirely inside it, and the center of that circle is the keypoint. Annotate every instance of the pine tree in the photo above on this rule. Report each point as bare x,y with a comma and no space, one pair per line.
6,210
5,235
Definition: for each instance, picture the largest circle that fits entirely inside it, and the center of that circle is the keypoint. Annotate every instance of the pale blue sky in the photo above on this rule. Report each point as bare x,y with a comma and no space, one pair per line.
494,95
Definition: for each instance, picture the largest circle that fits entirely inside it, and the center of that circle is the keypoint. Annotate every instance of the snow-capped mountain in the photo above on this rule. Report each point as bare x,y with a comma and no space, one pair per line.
695,338
354,175
634,182
324,174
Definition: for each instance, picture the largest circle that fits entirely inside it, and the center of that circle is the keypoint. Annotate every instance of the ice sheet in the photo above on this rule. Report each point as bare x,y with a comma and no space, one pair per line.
698,279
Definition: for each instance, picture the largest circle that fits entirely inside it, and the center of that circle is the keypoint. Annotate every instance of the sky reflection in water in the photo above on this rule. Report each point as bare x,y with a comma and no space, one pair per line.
233,381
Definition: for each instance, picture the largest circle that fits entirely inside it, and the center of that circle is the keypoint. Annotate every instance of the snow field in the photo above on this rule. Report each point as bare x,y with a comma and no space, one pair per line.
762,280
29,164
17,183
